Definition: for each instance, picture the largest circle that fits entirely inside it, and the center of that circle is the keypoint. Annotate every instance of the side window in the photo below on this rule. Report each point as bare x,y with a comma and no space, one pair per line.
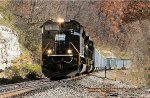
66,26
76,27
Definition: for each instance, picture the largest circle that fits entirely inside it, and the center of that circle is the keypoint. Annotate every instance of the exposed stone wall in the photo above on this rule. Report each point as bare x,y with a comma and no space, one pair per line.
9,47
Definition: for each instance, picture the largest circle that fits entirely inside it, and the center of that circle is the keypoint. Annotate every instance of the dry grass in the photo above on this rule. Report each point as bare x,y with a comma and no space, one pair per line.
134,77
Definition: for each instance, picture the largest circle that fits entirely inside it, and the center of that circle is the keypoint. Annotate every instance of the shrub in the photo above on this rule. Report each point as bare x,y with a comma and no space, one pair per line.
32,76
23,68
16,79
33,71
4,81
29,71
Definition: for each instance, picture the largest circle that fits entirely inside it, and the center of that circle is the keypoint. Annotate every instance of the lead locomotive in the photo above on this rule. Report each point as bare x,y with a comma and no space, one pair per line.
66,49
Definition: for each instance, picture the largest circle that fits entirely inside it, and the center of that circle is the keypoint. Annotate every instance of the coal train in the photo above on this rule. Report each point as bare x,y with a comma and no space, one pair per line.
67,50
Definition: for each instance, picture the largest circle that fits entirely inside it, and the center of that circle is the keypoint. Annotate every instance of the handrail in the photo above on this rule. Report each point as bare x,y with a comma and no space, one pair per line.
74,47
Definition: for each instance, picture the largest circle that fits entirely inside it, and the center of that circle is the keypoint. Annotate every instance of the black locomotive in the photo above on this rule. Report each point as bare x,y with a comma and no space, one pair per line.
66,49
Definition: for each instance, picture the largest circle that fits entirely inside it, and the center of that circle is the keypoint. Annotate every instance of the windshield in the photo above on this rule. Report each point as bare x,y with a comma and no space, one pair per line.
52,27
70,26
64,26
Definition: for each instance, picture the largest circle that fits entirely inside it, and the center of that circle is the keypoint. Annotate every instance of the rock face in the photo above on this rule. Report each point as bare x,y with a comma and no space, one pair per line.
9,47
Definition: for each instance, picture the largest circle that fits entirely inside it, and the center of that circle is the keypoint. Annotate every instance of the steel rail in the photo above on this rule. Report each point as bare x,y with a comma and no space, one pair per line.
4,87
23,89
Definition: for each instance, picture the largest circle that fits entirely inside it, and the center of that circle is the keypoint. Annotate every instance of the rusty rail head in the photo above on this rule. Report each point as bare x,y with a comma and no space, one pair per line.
24,89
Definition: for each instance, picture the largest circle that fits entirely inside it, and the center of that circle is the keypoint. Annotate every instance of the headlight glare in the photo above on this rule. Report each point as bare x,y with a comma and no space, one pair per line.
60,20
49,51
69,51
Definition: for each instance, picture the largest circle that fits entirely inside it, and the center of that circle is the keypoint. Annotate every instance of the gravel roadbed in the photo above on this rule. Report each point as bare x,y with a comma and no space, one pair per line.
92,86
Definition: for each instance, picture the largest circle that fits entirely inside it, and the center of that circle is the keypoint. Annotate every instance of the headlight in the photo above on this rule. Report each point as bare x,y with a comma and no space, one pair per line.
49,51
69,51
60,20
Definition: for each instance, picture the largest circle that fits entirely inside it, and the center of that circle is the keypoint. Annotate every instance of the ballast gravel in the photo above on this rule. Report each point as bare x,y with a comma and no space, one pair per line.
91,86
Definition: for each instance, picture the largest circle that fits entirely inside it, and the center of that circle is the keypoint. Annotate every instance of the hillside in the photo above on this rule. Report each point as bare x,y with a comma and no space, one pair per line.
112,24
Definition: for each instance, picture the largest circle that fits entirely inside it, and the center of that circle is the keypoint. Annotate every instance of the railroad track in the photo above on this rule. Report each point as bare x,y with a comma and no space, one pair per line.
110,90
24,87
113,91
20,88
11,90
104,90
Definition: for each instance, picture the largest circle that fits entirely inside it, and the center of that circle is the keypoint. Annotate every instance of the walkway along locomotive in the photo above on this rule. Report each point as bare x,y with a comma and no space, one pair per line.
66,49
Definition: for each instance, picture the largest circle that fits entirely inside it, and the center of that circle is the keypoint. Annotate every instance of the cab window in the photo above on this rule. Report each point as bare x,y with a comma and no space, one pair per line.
51,27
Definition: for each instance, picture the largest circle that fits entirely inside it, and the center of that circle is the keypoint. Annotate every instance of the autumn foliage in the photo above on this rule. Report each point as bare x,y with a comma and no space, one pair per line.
121,27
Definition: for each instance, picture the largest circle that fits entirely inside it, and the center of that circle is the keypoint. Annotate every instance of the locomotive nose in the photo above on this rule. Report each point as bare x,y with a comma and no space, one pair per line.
62,59
60,51
57,59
